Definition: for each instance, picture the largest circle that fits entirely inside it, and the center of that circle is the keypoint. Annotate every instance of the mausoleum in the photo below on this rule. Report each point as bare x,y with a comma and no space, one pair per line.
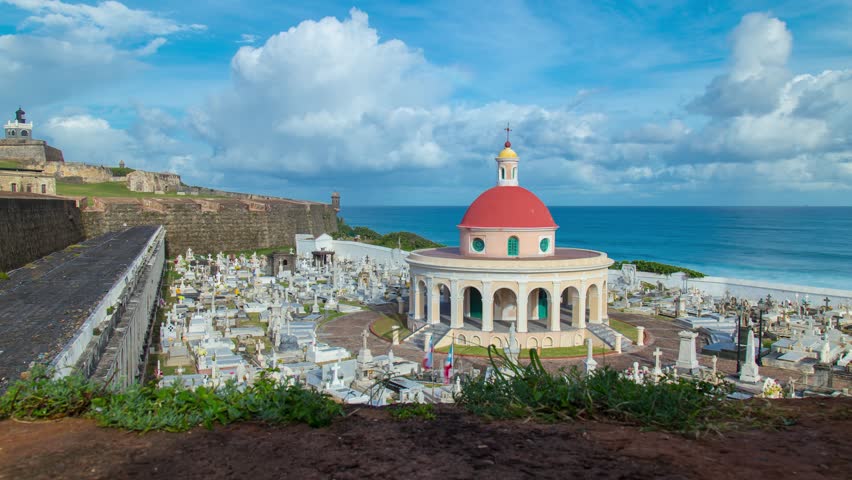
508,271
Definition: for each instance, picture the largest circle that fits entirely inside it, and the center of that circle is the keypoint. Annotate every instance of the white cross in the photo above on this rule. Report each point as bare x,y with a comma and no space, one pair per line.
657,354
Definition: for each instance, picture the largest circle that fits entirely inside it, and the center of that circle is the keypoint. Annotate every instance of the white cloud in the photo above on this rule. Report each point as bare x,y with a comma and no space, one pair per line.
248,38
84,138
65,49
106,20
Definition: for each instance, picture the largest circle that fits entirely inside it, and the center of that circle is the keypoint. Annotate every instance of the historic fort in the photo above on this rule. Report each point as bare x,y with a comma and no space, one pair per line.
36,221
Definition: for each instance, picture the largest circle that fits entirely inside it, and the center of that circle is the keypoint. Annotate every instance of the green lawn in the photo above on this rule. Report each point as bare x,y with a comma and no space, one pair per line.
9,164
525,353
109,189
625,329
383,326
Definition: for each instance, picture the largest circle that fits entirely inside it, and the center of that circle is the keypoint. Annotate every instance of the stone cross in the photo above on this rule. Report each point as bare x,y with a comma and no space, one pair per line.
657,354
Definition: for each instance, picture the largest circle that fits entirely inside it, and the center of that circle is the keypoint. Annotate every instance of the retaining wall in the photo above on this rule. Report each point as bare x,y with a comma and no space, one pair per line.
33,226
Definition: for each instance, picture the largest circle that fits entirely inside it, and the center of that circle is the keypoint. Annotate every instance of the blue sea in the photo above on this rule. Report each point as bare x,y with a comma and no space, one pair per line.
795,245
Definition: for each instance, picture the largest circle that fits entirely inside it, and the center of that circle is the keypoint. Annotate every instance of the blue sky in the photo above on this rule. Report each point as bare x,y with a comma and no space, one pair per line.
612,103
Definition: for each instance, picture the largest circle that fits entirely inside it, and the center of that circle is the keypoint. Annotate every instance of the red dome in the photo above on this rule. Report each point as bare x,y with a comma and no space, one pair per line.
507,207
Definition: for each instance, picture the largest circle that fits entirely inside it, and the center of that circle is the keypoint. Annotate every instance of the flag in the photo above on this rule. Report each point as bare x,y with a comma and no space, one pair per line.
448,364
427,356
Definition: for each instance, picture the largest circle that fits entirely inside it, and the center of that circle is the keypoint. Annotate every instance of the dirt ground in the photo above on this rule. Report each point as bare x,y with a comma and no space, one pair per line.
368,443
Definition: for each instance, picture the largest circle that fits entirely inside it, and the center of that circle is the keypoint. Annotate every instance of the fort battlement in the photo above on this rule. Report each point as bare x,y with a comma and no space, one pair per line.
220,224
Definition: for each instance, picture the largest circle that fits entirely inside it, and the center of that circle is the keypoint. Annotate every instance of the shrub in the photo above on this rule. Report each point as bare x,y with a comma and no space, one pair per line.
3,276
174,409
421,411
681,405
41,396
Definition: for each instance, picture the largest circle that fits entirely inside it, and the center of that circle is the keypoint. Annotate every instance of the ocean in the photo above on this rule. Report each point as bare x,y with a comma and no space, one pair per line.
795,245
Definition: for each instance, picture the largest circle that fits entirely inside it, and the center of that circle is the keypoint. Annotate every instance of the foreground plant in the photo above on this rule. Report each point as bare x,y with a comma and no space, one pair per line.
173,409
689,406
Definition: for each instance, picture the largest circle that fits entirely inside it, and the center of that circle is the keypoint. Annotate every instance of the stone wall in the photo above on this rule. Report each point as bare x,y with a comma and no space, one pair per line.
26,181
213,225
86,173
150,182
35,152
32,227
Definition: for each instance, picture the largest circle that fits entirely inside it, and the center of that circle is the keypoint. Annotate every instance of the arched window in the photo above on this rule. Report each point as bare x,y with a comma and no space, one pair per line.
513,247
544,245
43,188
14,187
502,174
29,188
23,133
11,133
514,172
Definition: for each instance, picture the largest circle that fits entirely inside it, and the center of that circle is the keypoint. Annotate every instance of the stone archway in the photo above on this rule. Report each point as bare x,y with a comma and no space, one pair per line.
421,302
505,305
472,303
538,308
571,303
441,301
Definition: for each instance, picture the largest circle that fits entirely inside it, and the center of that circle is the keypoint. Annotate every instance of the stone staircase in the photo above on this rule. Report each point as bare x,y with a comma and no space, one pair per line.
418,338
607,335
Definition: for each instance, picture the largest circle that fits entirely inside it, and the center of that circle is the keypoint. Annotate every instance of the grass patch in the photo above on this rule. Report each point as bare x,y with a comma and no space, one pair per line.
418,411
4,276
9,164
173,409
555,352
681,405
110,189
625,329
383,328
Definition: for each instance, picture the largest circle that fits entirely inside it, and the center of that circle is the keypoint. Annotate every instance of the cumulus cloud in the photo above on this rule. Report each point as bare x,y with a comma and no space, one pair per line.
64,48
89,139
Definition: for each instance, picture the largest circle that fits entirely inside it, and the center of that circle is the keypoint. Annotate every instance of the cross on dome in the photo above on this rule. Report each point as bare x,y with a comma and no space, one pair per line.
508,143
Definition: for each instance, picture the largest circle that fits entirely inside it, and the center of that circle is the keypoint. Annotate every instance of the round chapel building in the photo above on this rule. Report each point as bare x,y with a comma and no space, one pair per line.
508,271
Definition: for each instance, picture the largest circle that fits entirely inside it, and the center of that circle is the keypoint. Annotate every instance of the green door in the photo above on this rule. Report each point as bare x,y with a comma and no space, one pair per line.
542,304
475,304
513,247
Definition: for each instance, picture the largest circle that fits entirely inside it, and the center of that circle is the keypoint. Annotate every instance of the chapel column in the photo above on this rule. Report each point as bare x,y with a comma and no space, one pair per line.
434,301
604,302
487,308
456,304
555,309
414,299
521,297
580,308
601,304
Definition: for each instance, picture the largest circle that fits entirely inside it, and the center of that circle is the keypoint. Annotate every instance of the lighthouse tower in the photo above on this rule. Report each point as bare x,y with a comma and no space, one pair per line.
19,129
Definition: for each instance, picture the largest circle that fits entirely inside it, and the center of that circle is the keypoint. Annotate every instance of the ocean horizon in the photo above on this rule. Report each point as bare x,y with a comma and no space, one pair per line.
793,245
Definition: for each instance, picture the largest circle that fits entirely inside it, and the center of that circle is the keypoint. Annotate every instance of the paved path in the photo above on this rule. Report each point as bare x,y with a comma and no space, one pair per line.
346,331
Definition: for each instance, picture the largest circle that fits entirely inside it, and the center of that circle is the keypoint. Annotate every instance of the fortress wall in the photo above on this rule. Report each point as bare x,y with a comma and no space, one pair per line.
213,225
32,227
88,173
27,151
141,181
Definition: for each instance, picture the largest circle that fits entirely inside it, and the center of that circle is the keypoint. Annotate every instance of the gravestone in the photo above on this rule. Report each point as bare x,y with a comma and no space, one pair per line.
687,358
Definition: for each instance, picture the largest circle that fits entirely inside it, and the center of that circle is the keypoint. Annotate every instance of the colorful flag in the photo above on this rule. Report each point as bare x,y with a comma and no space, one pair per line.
448,364
427,356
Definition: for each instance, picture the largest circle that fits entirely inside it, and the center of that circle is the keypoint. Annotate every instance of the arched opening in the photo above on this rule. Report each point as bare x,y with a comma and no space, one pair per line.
548,342
502,173
43,188
461,339
538,310
472,303
475,340
23,133
497,342
570,306
505,307
514,172
593,302
512,246
441,299
532,343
